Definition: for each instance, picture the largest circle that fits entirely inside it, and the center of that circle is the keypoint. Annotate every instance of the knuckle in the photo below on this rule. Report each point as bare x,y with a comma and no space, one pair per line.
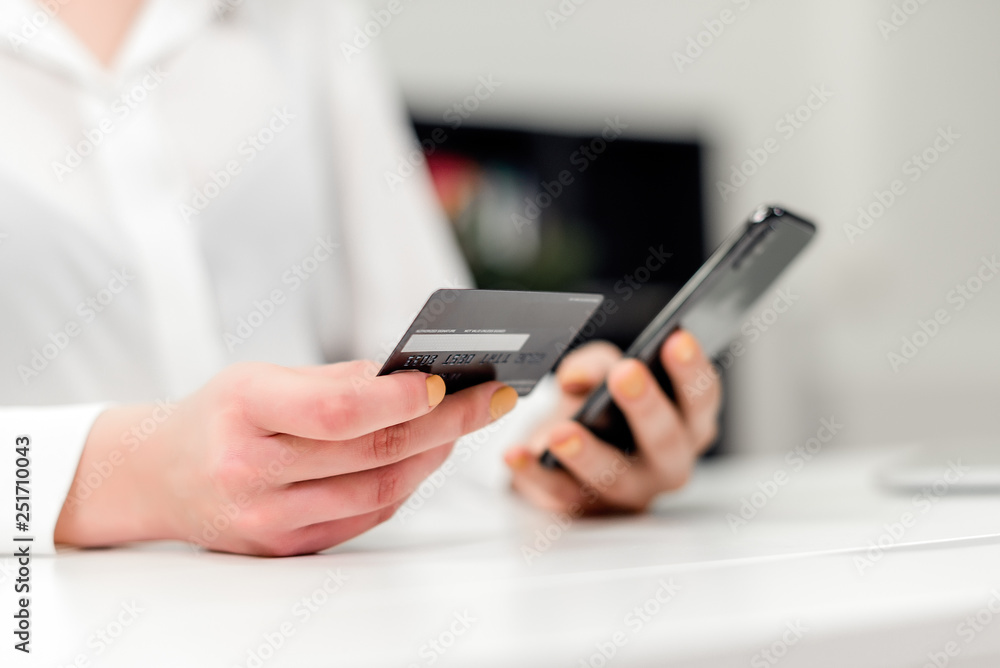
260,521
233,389
390,444
387,487
230,473
335,413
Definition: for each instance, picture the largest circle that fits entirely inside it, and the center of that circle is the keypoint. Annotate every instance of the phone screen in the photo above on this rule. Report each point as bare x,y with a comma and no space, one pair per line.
712,306
715,316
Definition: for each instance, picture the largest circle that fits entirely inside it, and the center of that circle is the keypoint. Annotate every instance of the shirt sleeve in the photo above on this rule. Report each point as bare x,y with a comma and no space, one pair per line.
40,450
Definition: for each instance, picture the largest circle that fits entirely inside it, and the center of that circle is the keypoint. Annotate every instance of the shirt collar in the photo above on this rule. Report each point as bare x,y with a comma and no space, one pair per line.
29,33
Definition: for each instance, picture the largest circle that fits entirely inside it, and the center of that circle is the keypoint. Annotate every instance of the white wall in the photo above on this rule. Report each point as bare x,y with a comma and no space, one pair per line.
828,355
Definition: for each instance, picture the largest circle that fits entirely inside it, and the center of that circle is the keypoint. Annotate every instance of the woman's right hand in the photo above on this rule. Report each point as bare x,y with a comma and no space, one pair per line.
270,460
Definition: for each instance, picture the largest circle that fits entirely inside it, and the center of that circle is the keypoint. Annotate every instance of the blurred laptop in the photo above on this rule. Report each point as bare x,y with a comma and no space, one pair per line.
971,466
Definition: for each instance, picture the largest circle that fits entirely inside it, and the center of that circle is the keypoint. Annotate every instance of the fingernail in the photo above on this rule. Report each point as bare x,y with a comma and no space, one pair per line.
435,390
683,348
634,382
568,448
517,460
502,402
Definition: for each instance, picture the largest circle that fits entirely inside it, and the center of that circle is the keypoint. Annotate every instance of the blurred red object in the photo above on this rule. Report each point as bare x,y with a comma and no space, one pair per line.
456,180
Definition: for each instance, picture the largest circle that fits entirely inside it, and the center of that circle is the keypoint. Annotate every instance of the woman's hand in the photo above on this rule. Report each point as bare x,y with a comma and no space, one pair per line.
269,460
599,478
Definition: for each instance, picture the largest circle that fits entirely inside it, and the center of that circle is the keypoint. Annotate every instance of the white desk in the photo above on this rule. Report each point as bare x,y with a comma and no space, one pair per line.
794,566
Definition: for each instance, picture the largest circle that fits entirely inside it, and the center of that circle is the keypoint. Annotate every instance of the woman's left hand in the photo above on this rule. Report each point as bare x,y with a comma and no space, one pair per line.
670,436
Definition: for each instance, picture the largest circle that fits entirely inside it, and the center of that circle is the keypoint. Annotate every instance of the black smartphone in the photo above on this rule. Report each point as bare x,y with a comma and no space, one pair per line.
711,305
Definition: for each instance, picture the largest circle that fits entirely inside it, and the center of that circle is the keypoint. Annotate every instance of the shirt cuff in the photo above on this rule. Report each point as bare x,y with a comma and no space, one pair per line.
40,450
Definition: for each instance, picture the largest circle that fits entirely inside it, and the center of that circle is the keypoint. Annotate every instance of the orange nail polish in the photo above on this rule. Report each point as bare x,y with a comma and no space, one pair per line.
502,402
435,390
634,383
683,348
518,460
568,448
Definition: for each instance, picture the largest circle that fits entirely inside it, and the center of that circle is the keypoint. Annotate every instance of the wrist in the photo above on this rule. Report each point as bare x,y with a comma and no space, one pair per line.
116,494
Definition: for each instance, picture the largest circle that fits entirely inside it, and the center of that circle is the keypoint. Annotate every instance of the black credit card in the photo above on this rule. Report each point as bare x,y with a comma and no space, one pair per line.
472,336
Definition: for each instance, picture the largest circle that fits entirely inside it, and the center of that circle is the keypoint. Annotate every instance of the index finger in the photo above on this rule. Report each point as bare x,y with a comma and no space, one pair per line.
460,413
286,401
585,368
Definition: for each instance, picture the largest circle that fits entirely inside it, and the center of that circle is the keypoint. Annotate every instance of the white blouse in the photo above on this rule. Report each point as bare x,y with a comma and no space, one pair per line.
219,195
